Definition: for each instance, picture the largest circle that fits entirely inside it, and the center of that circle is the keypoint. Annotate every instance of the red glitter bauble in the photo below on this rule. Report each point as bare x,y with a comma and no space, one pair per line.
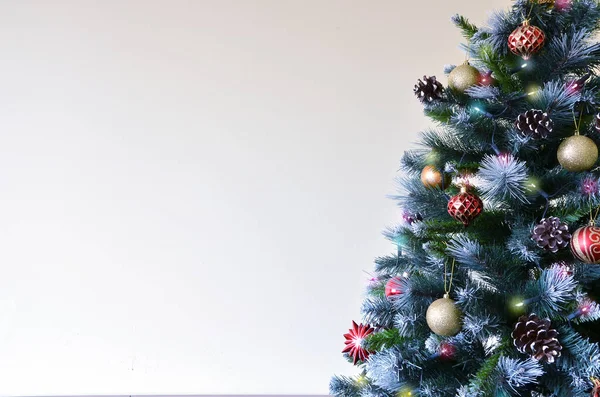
465,207
354,342
526,40
585,244
393,287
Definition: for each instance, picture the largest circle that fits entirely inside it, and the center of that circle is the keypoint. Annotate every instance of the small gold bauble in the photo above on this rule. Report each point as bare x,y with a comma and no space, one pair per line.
463,77
433,178
444,318
577,153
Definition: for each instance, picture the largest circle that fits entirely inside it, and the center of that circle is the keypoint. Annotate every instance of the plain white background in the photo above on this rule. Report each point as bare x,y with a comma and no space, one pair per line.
192,192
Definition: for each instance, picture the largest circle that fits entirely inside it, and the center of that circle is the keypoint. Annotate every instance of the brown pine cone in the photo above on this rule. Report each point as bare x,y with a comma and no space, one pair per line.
533,336
428,89
551,234
534,123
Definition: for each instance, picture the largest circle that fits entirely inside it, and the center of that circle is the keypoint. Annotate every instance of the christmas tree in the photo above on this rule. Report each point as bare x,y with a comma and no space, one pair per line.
494,288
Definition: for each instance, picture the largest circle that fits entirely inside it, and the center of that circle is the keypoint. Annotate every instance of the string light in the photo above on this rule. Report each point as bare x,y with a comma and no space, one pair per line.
581,311
516,305
533,90
482,111
532,185
589,186
406,391
361,380
447,351
575,86
528,301
563,269
587,307
519,68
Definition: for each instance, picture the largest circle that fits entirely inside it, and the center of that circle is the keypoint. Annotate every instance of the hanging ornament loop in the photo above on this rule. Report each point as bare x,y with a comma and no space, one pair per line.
593,216
448,284
577,123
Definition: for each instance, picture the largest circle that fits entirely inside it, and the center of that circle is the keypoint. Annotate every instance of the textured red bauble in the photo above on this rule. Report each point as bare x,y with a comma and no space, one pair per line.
465,207
526,40
393,287
585,244
354,342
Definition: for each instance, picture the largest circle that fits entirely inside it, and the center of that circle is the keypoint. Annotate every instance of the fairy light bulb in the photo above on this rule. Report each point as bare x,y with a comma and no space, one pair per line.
584,309
361,380
589,186
519,68
447,351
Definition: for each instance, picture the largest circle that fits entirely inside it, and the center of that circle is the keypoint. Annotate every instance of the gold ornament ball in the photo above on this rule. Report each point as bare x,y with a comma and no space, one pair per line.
577,153
444,318
431,177
463,77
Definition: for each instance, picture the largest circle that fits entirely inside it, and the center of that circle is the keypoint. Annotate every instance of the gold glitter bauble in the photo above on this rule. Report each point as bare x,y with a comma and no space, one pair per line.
463,77
444,317
577,153
433,178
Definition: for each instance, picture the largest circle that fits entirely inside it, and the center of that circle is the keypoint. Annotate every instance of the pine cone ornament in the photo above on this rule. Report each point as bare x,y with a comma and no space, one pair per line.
534,123
597,123
551,234
428,89
533,336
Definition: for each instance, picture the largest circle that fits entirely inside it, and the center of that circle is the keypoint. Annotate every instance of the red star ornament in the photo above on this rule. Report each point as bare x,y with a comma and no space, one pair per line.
354,341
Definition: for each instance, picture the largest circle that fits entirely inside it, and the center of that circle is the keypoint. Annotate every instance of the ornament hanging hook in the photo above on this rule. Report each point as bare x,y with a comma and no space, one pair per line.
577,122
448,285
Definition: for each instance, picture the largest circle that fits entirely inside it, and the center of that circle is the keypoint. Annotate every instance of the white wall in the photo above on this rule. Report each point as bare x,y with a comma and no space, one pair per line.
191,190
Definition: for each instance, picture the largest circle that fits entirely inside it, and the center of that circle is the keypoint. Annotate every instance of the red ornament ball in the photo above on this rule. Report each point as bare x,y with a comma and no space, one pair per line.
526,40
393,287
354,342
465,207
585,244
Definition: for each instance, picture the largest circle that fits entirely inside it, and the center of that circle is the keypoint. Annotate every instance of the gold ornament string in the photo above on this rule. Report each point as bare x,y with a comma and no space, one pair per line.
577,123
526,20
593,217
448,286
533,2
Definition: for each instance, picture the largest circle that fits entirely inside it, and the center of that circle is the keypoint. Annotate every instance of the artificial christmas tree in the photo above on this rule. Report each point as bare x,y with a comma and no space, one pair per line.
517,313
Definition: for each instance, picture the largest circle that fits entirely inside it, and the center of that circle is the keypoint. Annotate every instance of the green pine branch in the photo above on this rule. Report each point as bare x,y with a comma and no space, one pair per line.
482,380
384,339
467,28
440,113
